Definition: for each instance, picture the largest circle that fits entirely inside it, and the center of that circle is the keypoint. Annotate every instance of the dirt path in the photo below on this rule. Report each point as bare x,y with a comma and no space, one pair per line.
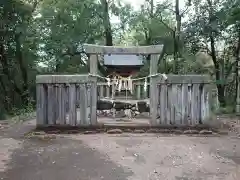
117,157
182,158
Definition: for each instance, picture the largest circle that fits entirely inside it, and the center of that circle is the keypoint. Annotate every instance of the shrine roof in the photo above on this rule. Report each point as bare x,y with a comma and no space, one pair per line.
123,60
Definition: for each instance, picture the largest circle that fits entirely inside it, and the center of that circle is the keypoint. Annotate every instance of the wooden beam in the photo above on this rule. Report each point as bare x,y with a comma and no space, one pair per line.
189,79
58,79
97,49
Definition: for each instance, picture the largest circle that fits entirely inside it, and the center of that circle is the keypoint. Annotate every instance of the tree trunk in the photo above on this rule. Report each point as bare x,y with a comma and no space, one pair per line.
107,23
175,56
150,35
108,32
162,61
6,70
19,56
220,87
221,94
4,99
57,66
176,37
179,22
238,75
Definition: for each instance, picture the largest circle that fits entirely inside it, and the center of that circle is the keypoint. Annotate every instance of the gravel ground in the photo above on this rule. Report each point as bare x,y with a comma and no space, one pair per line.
116,157
153,157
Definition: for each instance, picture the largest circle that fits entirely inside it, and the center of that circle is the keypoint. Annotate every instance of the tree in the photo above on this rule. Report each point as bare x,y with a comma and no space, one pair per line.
204,33
15,35
234,22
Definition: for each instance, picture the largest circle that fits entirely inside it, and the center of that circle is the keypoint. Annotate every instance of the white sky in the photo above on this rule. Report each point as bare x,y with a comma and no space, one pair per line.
137,3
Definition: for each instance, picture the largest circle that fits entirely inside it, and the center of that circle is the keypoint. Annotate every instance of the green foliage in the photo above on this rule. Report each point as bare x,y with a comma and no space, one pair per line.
21,111
225,110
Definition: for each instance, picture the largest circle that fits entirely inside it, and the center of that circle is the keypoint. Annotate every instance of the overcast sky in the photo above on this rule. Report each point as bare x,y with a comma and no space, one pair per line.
137,3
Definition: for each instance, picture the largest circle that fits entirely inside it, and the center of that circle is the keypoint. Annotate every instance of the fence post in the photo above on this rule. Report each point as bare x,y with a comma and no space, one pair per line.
153,89
41,105
238,98
93,70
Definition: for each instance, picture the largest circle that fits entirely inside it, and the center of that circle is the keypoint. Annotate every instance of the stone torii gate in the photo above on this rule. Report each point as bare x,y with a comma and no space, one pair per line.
154,50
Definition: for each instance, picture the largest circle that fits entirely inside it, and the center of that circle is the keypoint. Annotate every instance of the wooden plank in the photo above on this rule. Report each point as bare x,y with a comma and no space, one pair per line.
198,100
78,102
60,116
208,102
72,105
203,103
153,89
89,85
41,104
163,104
145,92
189,104
67,87
51,104
158,118
93,106
56,100
173,103
194,104
83,105
98,49
185,103
89,94
177,104
113,91
159,109
138,88
62,104
77,95
107,91
101,91
168,99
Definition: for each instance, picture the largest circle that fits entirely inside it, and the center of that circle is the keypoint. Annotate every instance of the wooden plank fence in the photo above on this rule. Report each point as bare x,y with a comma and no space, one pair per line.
183,100
66,100
72,100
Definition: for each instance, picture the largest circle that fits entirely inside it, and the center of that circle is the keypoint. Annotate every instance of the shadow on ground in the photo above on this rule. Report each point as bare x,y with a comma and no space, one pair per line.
56,159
